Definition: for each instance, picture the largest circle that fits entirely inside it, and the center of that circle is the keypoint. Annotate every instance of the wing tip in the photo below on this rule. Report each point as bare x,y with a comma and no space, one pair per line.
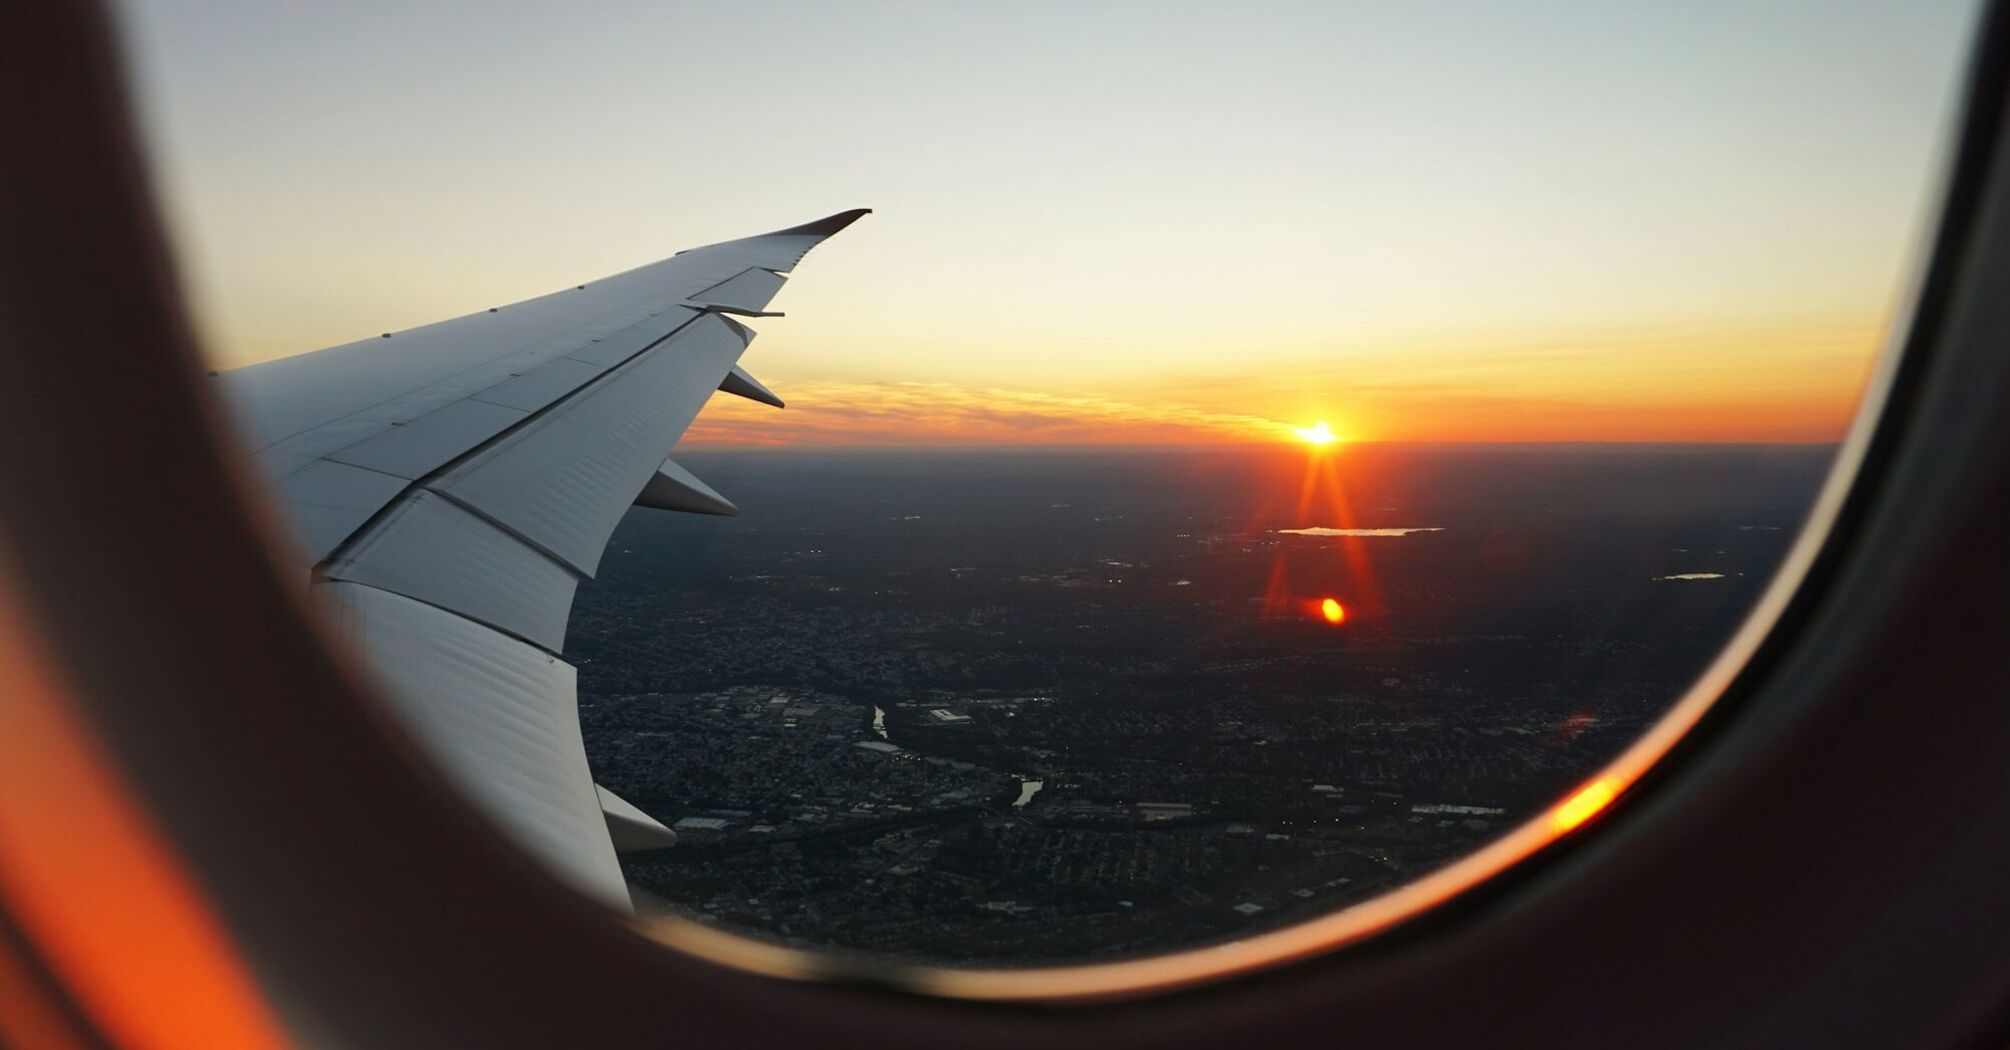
825,226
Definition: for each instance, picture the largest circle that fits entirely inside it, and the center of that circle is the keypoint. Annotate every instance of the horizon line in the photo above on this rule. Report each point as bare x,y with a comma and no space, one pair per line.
1248,445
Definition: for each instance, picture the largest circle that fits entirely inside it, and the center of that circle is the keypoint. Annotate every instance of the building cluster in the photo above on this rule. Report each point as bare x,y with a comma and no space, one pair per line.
1006,765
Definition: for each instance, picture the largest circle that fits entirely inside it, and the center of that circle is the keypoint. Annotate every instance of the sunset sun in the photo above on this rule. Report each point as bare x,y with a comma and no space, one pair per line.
1316,434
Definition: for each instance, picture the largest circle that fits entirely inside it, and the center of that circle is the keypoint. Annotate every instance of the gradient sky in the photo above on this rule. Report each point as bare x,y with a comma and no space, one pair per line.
1138,222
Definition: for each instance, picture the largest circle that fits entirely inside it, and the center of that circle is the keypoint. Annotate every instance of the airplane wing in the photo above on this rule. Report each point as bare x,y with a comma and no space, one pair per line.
449,486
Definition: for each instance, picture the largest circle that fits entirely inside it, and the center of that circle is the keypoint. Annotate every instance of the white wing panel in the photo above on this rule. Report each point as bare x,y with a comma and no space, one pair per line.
748,292
317,531
274,463
542,385
281,399
429,549
775,251
616,347
382,417
324,483
499,716
326,501
423,445
565,480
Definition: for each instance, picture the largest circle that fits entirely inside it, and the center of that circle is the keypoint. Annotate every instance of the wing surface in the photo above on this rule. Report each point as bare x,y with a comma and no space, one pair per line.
449,486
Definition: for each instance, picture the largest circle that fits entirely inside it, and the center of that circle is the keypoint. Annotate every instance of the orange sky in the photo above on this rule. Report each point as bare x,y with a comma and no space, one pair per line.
1121,222
1768,387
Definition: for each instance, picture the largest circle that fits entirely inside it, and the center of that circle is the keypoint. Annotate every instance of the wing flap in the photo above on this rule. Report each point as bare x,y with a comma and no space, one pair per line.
564,481
502,719
428,549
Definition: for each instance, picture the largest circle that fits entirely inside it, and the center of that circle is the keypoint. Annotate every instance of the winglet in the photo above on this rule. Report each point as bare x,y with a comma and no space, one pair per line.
823,227
738,381
674,488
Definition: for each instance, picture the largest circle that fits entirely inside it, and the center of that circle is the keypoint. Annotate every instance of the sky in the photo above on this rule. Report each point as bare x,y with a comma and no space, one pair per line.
1099,222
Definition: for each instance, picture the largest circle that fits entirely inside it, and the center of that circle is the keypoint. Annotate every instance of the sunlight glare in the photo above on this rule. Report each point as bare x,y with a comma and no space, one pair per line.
1316,434
1585,803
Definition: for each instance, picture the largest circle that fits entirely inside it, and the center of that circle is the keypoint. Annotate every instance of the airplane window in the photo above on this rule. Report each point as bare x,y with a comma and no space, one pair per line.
1255,463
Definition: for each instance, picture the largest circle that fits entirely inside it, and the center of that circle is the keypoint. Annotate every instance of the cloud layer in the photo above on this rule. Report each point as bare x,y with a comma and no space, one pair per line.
859,413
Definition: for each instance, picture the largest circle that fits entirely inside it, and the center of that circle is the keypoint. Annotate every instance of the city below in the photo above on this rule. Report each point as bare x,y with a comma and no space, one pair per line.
1020,707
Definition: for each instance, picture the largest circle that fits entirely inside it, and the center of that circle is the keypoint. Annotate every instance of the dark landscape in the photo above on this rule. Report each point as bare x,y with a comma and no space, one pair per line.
1012,707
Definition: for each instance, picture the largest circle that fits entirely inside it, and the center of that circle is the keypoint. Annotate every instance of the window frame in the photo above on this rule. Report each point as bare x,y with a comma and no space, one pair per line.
1816,861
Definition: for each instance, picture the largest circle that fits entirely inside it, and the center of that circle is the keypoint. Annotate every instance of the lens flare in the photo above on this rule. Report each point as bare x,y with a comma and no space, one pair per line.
1333,611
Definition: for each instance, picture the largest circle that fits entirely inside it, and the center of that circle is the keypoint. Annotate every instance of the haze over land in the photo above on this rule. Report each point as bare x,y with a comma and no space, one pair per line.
845,696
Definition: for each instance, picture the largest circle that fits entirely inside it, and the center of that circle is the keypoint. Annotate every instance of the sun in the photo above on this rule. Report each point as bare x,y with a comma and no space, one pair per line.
1316,434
